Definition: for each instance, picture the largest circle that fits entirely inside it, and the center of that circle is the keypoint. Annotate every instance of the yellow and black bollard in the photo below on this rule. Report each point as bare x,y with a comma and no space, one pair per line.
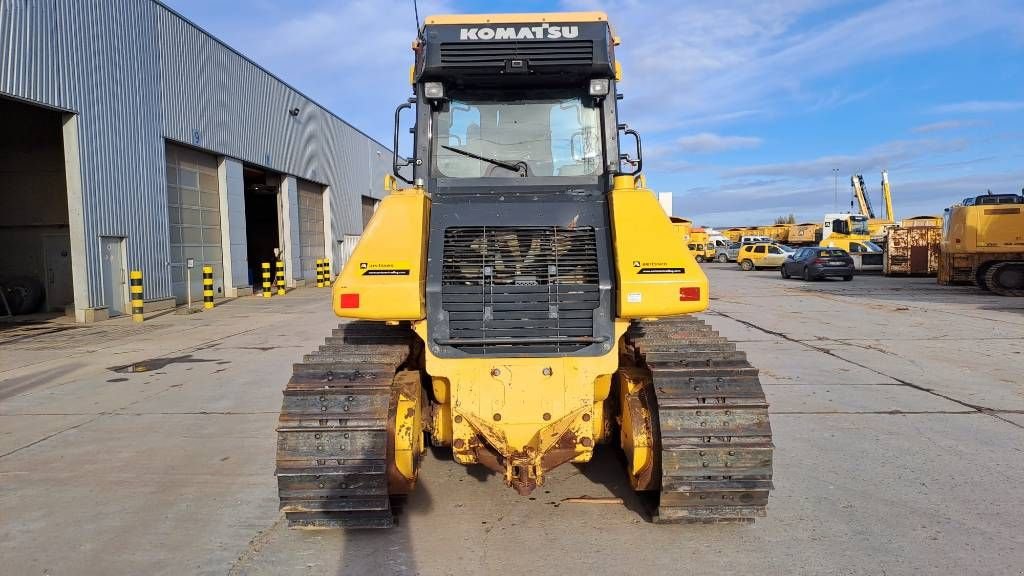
207,287
135,287
327,273
266,279
319,273
280,278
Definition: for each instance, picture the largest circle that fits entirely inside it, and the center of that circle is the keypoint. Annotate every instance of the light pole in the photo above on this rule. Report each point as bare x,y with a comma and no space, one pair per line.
835,192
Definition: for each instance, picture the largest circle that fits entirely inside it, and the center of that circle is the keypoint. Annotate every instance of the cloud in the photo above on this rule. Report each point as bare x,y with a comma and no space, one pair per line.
716,206
886,155
947,125
707,142
701,59
979,107
351,56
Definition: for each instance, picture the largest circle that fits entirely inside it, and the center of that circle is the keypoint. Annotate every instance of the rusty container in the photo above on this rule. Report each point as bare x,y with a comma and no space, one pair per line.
913,251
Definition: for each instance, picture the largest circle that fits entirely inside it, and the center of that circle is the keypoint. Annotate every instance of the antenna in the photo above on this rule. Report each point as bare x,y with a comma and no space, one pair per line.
416,12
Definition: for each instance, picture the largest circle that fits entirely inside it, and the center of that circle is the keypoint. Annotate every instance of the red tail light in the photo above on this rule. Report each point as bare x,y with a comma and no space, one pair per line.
820,261
689,294
349,301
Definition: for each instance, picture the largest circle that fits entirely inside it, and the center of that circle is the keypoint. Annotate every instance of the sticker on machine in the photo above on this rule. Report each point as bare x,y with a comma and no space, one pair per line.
634,298
657,268
384,268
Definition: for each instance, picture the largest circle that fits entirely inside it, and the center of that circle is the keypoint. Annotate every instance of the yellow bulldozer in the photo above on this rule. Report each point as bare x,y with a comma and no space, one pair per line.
983,243
521,299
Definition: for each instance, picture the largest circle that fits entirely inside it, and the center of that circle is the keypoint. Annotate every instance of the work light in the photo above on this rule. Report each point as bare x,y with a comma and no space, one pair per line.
433,90
599,87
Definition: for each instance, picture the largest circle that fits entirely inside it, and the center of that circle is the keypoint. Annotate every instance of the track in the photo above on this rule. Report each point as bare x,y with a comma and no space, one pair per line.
332,436
712,420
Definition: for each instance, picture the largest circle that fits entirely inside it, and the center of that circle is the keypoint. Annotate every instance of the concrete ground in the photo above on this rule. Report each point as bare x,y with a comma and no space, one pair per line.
897,409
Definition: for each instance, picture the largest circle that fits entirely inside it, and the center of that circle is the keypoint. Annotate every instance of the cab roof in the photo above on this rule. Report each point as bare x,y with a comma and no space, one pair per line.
523,18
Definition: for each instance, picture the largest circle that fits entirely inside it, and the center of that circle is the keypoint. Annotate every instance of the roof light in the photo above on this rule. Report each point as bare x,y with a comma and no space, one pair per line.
433,90
599,87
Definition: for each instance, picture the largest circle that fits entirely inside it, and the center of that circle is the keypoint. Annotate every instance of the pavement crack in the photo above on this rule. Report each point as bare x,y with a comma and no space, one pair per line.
982,409
57,433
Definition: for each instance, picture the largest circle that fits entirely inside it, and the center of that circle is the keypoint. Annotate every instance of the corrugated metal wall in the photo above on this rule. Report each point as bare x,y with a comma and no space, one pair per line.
99,59
136,73
223,102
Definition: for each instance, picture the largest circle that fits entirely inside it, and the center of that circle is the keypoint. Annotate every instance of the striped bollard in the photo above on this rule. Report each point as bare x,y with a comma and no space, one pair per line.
280,278
319,273
327,273
135,287
266,279
207,287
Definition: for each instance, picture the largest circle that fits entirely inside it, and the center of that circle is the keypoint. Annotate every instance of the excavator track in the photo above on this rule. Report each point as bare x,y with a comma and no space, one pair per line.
333,448
710,423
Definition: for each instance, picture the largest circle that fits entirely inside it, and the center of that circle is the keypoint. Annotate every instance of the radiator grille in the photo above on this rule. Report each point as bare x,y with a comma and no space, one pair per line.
520,289
537,53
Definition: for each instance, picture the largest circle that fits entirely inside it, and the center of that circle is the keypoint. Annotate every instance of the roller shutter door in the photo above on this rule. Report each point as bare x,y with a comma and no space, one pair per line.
193,209
311,227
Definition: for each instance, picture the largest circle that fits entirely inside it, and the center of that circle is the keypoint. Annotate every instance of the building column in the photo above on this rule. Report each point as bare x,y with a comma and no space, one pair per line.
329,234
290,231
76,219
232,227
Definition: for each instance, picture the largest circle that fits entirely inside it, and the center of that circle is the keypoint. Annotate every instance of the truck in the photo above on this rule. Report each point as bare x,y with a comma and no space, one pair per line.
851,233
983,243
519,298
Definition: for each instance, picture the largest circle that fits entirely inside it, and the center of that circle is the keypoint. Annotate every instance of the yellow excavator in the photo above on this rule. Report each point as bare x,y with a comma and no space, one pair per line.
983,243
521,299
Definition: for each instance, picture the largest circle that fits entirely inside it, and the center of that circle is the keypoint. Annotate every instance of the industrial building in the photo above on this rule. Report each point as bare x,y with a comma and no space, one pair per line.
130,139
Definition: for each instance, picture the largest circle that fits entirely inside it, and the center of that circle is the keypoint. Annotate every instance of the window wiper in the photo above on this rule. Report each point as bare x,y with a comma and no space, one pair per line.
520,167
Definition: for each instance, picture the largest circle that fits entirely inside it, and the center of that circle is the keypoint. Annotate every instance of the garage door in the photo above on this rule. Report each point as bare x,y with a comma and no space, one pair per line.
193,208
311,227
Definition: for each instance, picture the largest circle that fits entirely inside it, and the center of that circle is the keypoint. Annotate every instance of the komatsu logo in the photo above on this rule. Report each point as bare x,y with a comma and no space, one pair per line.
521,33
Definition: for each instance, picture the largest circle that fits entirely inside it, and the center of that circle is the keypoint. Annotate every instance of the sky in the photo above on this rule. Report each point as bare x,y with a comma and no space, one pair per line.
746,107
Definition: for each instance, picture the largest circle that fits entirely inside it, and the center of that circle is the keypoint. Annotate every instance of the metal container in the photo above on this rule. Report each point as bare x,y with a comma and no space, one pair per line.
913,251
806,233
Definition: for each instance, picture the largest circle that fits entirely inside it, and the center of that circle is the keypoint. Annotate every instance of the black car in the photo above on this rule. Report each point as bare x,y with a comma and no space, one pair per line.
817,262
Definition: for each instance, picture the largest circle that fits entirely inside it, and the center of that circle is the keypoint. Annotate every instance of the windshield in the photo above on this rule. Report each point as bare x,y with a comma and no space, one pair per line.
551,134
872,247
859,226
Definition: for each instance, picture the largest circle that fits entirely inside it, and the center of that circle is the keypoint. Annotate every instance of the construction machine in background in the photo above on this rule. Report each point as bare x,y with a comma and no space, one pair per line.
983,243
521,300
877,226
851,233
700,245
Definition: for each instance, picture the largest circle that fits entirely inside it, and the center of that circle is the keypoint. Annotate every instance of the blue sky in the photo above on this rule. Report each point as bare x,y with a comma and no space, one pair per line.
745,106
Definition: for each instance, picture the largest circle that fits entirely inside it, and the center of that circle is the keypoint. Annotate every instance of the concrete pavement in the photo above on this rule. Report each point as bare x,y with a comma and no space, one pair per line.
897,410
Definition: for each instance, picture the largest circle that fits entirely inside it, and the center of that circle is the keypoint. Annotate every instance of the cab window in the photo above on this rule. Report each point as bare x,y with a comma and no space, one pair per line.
747,248
759,249
774,250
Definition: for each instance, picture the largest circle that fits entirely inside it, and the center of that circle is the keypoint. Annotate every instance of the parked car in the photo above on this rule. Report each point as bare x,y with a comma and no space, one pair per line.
755,240
760,255
727,253
817,262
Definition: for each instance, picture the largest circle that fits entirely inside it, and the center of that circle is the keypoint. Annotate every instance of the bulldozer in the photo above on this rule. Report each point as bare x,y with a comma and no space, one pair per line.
520,298
983,243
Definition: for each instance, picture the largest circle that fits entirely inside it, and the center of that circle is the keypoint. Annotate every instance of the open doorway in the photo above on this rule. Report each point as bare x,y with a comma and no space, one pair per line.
262,220
35,259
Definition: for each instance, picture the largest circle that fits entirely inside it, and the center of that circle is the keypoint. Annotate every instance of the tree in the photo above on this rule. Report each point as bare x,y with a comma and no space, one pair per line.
791,219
